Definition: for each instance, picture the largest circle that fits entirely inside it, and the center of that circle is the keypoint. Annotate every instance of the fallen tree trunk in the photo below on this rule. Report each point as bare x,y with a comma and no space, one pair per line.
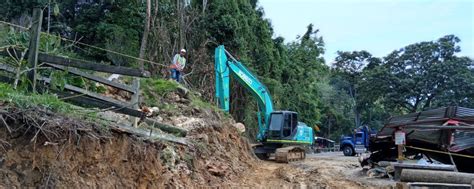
411,175
147,135
409,185
167,128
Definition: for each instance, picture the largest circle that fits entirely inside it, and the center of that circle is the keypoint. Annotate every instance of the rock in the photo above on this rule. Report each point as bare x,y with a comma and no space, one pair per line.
184,101
204,138
174,97
240,127
217,170
153,111
113,77
377,173
196,110
182,91
159,118
169,156
283,174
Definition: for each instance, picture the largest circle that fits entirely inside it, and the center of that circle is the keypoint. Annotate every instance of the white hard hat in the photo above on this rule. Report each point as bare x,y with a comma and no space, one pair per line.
183,50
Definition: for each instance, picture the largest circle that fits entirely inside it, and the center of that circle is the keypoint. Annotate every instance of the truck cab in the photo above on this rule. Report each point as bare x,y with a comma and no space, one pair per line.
357,143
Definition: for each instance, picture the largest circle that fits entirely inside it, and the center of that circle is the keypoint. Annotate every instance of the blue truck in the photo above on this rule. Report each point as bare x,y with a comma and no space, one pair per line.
357,143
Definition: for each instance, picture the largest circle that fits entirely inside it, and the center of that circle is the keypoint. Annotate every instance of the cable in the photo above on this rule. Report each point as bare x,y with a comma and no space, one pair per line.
14,25
441,152
87,45
106,50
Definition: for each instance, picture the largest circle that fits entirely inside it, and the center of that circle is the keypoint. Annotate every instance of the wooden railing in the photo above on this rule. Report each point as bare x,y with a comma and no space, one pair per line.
82,96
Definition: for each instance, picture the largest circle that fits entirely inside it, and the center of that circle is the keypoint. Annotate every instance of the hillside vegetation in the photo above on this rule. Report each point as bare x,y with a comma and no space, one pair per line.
337,96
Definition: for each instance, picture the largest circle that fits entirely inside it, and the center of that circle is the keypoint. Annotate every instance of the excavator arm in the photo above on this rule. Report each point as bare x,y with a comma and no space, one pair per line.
225,64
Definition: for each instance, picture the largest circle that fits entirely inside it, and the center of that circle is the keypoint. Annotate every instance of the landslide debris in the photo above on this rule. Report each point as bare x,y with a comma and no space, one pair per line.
42,147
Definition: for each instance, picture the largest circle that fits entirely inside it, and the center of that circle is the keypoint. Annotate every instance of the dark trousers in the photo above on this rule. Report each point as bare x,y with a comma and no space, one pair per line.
176,75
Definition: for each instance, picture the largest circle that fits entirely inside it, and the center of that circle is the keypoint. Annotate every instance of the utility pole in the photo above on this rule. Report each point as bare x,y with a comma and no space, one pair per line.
49,16
35,32
136,80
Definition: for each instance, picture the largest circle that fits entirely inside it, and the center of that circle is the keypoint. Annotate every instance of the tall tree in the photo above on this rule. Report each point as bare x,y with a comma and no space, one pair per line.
146,32
425,75
348,67
301,75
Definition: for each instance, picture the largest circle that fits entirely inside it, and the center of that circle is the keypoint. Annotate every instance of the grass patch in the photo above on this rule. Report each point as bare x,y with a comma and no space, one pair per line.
159,86
198,102
50,102
23,100
201,104
153,89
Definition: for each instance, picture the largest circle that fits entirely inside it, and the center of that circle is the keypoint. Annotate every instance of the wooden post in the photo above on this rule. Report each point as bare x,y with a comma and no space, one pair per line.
135,98
35,32
400,152
400,142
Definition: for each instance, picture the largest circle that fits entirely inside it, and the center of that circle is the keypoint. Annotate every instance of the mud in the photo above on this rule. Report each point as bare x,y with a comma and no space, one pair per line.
326,170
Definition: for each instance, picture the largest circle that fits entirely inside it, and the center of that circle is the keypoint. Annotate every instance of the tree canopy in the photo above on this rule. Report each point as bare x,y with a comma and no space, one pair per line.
357,89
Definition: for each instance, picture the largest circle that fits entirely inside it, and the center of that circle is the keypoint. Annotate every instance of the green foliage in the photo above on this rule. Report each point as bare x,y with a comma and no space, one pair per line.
198,102
301,76
14,8
417,77
50,102
160,86
5,90
359,89
114,25
58,80
33,100
347,77
424,75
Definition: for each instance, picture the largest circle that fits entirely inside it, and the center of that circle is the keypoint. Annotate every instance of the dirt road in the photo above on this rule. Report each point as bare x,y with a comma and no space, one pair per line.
324,170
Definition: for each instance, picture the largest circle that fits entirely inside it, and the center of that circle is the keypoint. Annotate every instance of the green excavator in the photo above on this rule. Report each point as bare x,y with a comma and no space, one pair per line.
279,132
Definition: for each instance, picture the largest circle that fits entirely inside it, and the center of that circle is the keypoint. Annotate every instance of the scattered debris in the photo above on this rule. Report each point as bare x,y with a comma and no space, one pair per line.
443,134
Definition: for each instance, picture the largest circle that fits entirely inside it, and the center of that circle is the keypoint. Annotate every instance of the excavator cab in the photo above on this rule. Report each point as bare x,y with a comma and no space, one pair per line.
283,125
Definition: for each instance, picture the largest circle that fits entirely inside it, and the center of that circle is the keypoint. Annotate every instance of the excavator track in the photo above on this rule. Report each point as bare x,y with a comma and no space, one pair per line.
289,154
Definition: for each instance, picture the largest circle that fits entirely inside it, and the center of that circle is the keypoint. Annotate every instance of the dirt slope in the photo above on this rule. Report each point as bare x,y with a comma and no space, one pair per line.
42,149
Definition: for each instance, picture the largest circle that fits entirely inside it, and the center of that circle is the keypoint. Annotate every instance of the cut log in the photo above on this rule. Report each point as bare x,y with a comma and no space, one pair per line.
402,166
167,128
430,176
147,135
423,185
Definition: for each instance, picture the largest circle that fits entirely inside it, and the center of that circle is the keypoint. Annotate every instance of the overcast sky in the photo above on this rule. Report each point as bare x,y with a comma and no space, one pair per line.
378,26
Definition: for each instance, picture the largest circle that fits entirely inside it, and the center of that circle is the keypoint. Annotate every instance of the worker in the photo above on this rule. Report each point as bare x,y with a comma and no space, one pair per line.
178,64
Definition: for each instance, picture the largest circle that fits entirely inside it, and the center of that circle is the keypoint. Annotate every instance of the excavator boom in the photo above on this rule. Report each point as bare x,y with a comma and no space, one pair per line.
223,68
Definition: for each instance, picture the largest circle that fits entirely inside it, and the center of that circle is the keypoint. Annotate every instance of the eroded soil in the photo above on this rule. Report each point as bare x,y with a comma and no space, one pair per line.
40,149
